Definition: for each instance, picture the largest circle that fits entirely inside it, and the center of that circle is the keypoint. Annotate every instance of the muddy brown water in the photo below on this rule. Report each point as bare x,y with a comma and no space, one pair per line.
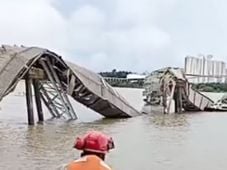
193,141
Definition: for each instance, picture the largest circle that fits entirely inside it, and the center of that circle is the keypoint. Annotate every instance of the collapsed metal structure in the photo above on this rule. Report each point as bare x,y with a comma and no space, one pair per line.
54,80
170,85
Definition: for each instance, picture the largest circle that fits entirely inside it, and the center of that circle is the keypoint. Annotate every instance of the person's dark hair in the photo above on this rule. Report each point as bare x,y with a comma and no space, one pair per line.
100,155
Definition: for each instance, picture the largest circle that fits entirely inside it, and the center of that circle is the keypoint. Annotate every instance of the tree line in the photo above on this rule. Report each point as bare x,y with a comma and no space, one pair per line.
211,87
116,74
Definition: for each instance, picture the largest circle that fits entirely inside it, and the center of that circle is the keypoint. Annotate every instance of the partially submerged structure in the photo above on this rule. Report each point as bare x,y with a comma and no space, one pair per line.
53,80
168,90
220,105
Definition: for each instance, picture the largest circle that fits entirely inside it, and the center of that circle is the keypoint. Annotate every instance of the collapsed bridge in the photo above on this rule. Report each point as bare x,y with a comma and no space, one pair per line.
54,80
168,90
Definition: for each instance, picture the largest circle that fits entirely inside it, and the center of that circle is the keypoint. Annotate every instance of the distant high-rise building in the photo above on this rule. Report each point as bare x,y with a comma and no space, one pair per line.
205,70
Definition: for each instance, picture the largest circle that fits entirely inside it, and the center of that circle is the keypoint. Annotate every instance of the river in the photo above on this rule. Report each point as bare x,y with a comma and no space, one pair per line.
192,141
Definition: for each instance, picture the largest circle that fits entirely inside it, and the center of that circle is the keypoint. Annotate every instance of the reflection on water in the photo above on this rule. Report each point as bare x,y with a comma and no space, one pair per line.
164,142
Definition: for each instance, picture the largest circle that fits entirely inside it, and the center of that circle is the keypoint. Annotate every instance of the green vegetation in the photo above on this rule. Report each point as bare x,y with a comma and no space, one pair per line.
116,74
124,82
204,87
211,87
130,84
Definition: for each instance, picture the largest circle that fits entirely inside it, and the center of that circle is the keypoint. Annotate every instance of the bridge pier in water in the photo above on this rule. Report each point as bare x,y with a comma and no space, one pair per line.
29,82
178,100
29,100
36,85
51,93
165,86
53,80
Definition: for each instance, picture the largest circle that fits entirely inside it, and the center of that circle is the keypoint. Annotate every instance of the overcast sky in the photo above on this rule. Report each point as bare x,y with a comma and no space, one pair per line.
137,35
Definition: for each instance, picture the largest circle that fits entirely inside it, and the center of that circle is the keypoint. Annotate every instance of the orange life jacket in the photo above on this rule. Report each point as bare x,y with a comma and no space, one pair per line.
90,162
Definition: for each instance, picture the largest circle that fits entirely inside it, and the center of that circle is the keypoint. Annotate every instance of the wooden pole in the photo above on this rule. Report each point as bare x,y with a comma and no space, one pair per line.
36,85
28,88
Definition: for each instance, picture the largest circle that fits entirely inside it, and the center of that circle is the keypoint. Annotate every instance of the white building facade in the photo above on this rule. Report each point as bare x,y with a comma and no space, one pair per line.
205,70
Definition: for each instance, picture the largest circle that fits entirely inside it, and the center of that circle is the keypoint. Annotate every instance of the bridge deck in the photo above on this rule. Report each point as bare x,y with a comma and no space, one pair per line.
168,84
83,85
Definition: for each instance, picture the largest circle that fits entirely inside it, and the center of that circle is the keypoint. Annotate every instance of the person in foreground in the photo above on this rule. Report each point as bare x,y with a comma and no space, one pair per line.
94,145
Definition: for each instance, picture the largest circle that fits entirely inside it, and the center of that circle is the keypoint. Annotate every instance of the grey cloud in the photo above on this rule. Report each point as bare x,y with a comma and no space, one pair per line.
125,34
